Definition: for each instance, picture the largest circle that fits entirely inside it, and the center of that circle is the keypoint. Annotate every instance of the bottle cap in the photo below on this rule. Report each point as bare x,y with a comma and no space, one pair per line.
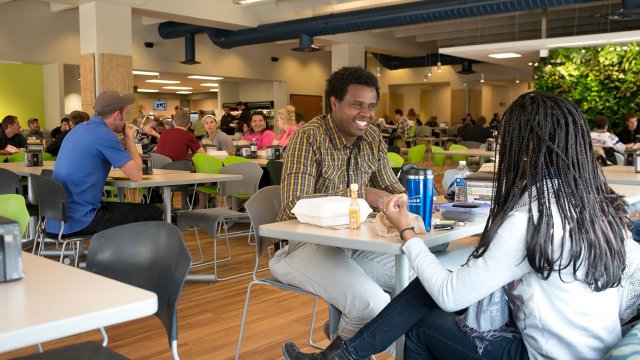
354,187
462,162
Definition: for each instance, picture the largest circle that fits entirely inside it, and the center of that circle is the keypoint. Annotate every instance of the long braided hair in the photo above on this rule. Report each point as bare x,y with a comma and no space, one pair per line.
546,157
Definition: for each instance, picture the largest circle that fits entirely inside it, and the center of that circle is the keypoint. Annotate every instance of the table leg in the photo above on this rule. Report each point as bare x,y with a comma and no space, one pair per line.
120,194
32,199
402,280
167,199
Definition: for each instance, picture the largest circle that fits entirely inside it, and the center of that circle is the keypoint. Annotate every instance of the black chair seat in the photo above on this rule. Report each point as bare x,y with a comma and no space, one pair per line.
83,351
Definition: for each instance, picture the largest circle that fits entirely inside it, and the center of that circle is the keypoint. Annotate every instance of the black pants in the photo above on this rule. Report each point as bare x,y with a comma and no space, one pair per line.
114,214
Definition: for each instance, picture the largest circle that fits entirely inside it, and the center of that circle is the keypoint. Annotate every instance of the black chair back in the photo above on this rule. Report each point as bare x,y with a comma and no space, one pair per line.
52,200
150,255
9,182
183,165
394,149
274,168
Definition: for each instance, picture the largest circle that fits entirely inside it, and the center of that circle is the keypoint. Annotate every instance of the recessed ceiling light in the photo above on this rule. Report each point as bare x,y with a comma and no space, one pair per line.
158,81
183,92
213,90
509,55
209,84
177,87
147,90
202,77
148,73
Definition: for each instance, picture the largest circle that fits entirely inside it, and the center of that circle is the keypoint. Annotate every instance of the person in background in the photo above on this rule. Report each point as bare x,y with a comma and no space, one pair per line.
198,127
64,126
215,137
300,119
433,122
536,264
259,131
85,159
402,126
160,128
176,142
477,132
412,116
286,121
11,136
315,165
228,123
628,134
242,130
144,134
606,140
75,118
494,124
245,113
35,132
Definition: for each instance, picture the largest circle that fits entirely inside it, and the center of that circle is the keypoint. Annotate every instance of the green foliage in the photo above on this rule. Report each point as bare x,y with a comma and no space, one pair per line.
603,80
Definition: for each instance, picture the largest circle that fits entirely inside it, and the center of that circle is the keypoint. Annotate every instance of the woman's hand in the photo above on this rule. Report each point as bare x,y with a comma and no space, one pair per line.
395,211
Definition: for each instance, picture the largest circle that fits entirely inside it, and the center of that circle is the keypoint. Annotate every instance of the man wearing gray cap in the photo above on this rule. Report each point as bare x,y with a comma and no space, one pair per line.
83,164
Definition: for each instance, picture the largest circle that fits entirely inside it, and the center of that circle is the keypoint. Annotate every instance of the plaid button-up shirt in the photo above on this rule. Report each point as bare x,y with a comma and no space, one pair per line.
318,162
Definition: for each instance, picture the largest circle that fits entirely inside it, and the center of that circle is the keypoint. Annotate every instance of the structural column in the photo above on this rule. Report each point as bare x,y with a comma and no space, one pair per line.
105,51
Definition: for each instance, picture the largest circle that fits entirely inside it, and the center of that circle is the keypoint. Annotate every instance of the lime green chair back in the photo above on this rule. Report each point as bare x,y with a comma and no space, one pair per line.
438,159
17,157
207,164
233,159
416,154
455,159
395,160
48,157
412,131
13,206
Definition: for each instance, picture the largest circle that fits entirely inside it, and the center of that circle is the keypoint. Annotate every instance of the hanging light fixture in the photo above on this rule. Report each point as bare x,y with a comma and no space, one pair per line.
430,71
481,77
517,79
378,71
439,64
426,77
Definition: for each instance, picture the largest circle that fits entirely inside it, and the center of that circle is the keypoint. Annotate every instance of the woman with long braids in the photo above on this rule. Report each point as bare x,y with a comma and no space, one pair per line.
548,277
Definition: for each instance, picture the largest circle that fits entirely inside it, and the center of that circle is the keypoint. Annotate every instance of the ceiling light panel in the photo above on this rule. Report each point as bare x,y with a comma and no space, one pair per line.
183,92
203,77
158,81
147,73
210,84
147,90
177,87
508,55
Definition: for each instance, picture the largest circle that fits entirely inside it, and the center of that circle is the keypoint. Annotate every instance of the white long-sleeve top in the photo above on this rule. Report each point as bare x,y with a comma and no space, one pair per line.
557,320
607,139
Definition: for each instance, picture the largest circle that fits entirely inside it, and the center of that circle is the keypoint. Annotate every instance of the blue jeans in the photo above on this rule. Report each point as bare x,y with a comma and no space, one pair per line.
635,230
430,332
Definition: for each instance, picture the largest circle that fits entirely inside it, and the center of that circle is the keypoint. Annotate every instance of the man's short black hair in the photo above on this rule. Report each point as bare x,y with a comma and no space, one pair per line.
601,122
8,121
340,80
397,112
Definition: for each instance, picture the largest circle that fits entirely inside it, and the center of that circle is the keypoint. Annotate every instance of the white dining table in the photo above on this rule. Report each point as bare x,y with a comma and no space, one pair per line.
480,153
53,301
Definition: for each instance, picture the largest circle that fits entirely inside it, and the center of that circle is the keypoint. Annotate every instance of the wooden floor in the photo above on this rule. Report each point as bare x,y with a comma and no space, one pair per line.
209,317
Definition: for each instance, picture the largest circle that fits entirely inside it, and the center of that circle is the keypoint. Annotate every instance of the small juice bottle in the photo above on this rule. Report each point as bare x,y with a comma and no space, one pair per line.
354,208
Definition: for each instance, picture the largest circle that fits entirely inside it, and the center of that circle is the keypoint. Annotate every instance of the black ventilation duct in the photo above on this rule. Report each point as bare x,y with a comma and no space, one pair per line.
466,68
190,49
306,44
417,12
396,62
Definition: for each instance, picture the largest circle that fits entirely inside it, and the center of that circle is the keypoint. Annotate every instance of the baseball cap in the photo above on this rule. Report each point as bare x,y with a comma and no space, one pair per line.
111,101
32,120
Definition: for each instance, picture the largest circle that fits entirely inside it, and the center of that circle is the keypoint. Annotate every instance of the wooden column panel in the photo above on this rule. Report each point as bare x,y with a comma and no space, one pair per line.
115,74
88,81
457,106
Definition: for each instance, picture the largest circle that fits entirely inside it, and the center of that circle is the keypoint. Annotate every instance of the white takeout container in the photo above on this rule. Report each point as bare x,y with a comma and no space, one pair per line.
328,211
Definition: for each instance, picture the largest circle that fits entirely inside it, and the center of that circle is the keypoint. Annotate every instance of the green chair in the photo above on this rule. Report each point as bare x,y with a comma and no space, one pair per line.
48,157
438,159
207,164
395,160
13,206
233,159
17,157
455,159
416,154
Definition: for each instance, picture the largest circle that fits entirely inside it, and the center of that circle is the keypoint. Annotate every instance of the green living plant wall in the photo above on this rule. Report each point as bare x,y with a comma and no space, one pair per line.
601,81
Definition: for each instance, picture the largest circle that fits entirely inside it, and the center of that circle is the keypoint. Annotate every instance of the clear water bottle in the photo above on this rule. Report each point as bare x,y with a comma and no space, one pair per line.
254,148
461,182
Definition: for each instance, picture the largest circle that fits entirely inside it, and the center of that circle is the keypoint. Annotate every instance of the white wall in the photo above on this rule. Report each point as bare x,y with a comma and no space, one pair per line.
72,94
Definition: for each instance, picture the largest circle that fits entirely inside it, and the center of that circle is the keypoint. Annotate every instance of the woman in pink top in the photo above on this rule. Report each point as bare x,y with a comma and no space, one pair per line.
263,136
286,120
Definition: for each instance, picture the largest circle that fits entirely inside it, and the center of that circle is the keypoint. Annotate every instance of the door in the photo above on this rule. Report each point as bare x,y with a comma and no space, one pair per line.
309,106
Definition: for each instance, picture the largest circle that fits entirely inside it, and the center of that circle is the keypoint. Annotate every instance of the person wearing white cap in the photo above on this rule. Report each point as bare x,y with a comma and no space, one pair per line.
83,164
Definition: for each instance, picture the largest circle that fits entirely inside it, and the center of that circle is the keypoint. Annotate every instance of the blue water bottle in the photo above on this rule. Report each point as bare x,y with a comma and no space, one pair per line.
415,185
428,198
